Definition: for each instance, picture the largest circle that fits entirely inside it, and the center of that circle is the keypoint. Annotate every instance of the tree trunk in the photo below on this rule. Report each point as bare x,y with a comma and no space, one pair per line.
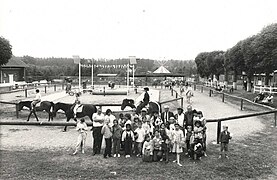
235,78
249,84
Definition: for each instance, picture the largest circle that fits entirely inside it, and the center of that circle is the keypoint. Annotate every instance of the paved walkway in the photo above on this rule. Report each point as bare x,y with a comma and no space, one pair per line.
213,107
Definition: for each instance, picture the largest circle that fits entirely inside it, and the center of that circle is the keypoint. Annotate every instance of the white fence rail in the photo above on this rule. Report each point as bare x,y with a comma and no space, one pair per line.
267,89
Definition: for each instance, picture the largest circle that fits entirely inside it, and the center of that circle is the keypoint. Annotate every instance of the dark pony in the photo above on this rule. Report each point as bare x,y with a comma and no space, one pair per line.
88,110
153,106
44,106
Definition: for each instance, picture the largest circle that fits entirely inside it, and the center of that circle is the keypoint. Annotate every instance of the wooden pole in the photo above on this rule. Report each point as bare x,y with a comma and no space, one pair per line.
105,91
201,89
16,110
223,97
210,94
241,104
171,92
45,89
176,94
26,93
194,87
182,102
55,88
218,131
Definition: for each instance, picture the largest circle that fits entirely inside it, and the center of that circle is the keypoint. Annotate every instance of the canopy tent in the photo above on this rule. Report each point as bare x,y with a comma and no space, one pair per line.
161,70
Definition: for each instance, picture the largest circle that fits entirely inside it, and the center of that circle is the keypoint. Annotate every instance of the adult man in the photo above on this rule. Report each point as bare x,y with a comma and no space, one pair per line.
98,122
36,100
166,114
180,117
188,115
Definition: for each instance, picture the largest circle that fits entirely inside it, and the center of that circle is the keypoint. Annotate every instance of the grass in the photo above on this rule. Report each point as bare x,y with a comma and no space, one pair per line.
254,157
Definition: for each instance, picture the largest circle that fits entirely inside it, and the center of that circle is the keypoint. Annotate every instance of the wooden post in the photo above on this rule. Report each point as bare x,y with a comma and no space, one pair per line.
241,104
26,93
55,87
104,92
176,94
62,86
194,87
223,97
210,94
182,102
201,89
218,130
16,110
45,89
171,92
275,119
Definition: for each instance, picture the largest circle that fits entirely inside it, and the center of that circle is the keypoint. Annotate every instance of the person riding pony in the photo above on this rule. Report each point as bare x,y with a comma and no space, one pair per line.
145,100
36,100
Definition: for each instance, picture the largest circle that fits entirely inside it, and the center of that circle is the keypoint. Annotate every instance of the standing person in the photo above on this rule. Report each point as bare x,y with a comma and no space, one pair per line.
165,143
157,145
147,149
143,115
140,134
166,114
188,144
178,141
98,122
36,100
156,120
107,133
116,131
110,116
81,128
128,138
180,117
188,117
224,138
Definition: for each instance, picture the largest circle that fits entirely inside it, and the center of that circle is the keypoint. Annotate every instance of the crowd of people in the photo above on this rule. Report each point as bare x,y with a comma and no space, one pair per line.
153,138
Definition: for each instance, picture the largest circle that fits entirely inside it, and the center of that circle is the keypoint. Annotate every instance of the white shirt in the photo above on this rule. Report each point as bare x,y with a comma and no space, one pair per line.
81,127
141,134
38,97
112,118
96,118
180,119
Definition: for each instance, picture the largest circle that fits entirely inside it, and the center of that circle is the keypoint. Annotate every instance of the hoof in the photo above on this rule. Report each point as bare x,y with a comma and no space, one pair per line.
63,130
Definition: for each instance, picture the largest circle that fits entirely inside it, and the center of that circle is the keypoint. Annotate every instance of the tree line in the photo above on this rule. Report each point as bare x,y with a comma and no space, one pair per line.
254,55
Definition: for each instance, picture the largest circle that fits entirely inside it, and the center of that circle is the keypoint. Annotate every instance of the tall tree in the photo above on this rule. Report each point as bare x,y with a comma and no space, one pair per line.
201,63
5,51
265,45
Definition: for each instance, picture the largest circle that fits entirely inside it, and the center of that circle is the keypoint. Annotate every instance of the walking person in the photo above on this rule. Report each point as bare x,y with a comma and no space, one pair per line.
82,131
98,122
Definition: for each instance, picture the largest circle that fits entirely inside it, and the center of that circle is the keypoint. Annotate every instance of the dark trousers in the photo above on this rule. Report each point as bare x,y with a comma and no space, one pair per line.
116,145
97,139
138,148
157,155
108,149
128,146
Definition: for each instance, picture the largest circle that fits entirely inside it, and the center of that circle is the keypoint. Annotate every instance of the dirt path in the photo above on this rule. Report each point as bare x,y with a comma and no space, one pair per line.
214,108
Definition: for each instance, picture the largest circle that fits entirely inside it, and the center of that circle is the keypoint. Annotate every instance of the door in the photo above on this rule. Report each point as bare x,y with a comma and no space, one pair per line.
11,78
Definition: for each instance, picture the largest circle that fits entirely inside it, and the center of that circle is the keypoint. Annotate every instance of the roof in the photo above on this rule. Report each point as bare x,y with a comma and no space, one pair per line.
106,75
161,70
15,62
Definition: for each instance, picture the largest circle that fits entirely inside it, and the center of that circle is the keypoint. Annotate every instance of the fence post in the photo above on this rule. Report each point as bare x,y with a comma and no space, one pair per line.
241,104
171,92
45,89
201,89
194,87
210,94
62,86
218,131
104,92
176,94
16,110
182,102
55,87
223,97
275,119
26,93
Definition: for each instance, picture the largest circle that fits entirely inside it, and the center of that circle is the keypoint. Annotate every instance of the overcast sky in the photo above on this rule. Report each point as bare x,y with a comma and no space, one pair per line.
156,29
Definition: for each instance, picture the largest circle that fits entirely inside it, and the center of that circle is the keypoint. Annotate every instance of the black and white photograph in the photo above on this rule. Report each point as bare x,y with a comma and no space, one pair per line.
138,89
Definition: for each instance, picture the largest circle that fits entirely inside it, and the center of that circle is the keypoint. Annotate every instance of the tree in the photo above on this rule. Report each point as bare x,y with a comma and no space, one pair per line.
201,63
265,45
5,51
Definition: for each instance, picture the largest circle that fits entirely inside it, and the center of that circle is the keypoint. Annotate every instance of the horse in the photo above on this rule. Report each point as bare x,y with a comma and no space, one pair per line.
44,106
87,110
153,106
189,94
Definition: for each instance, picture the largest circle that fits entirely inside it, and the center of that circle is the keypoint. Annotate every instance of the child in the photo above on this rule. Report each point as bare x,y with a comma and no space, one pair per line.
140,134
178,140
121,120
81,128
157,145
147,149
107,133
128,138
198,131
135,124
146,127
188,136
156,120
198,150
224,138
116,131
165,143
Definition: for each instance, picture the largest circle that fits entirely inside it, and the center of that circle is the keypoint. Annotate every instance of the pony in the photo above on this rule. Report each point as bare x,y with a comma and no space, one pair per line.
44,106
153,106
87,110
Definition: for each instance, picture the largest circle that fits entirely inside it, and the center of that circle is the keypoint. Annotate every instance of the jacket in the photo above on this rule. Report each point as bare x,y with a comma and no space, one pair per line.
224,137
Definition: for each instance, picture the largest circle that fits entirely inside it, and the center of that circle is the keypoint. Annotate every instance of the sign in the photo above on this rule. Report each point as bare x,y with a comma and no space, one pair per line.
76,59
133,60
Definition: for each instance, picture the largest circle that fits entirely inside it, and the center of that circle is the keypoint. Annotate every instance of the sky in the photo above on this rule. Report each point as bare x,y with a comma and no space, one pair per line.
155,29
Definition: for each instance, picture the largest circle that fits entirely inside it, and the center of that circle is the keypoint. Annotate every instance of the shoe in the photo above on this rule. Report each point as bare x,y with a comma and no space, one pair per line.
83,151
138,155
114,155
174,161
227,157
75,153
161,160
205,155
94,154
118,155
220,157
180,164
127,156
110,155
105,157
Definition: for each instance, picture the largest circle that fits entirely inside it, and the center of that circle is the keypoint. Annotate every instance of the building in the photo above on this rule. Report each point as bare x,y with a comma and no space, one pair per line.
13,71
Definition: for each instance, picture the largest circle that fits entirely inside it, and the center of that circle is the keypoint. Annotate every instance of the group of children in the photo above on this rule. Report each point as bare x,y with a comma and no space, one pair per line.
152,139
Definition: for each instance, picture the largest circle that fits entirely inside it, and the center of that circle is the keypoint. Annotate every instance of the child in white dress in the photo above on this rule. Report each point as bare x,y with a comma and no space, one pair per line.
81,128
178,143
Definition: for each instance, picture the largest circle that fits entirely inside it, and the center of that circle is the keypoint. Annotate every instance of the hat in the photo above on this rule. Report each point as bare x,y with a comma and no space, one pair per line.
180,108
144,109
166,106
146,89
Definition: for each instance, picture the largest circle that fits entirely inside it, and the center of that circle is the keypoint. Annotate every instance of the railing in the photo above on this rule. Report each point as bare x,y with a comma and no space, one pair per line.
266,89
177,98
